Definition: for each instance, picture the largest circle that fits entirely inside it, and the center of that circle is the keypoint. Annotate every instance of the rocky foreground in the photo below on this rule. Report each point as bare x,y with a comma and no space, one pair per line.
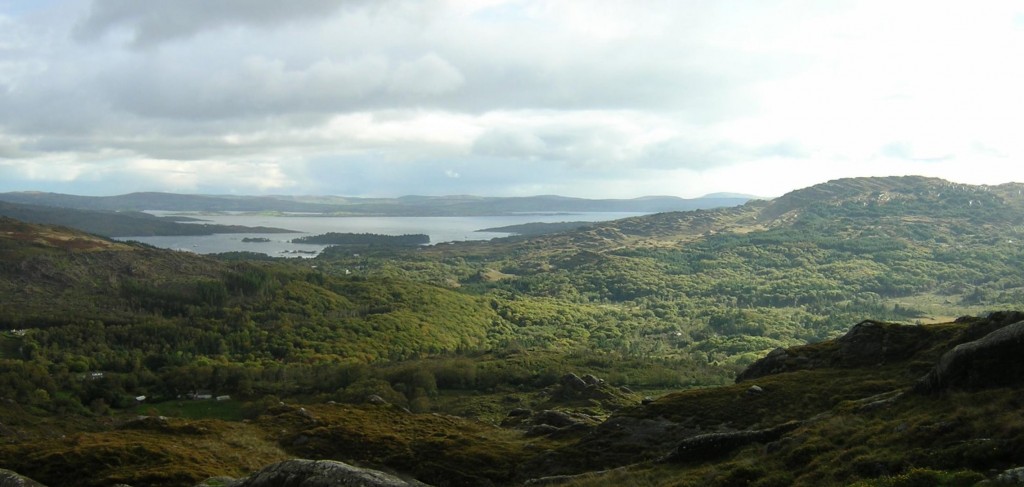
933,404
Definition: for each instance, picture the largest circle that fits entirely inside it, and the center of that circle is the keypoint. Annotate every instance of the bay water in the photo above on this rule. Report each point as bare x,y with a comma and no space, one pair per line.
440,229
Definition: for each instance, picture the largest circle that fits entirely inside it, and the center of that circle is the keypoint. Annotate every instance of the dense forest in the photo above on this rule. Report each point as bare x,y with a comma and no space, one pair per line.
648,304
673,300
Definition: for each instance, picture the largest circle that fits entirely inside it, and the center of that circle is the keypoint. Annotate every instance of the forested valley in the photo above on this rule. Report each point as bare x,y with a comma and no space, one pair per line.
641,307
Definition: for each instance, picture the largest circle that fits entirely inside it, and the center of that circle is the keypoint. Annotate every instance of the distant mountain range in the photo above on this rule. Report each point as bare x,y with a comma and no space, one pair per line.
120,223
403,206
529,360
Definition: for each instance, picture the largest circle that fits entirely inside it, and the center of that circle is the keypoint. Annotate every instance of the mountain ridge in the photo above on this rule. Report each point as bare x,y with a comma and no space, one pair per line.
498,362
410,205
119,224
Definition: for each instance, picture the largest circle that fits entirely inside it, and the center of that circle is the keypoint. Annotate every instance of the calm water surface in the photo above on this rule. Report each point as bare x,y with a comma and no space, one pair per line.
440,229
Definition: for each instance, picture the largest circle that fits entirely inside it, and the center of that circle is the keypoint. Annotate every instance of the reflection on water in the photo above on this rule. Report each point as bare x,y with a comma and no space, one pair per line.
440,229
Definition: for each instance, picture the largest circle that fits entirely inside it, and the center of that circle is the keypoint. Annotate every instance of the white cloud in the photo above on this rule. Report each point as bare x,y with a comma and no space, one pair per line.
578,97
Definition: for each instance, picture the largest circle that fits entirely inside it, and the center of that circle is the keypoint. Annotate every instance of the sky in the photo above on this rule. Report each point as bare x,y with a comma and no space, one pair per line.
585,98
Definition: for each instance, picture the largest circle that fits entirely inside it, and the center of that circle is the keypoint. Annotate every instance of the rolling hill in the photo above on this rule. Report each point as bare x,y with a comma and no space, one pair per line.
494,363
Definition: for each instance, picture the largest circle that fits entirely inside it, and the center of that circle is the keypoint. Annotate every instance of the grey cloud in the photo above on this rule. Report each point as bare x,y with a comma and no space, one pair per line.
690,154
154,21
358,175
10,150
704,153
402,58
592,82
787,149
509,143
256,87
591,146
428,75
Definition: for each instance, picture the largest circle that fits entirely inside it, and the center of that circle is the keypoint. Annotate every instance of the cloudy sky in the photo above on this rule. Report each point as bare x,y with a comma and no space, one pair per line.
587,98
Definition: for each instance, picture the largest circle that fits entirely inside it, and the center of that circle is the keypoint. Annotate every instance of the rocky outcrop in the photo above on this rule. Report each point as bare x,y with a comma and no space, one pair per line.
868,343
319,473
714,445
550,422
874,342
621,440
13,479
994,360
572,386
776,362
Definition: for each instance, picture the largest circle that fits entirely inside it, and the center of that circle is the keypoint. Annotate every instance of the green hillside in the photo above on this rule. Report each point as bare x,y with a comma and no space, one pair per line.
725,286
495,362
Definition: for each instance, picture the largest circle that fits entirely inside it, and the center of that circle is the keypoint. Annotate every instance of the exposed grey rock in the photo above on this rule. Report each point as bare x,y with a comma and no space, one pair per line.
540,430
573,430
620,440
868,343
874,342
573,382
714,445
13,479
320,473
557,419
1013,476
773,363
517,412
573,387
375,399
992,361
755,390
878,401
592,380
561,479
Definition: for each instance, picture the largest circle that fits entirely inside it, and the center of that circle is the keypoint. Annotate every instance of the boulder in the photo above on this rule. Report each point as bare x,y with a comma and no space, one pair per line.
875,342
540,430
774,363
557,419
1013,476
572,387
715,445
868,343
519,412
994,360
573,382
13,479
320,473
592,380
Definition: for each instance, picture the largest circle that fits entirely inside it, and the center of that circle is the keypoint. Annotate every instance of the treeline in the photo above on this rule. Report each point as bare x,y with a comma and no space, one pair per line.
72,387
500,314
369,239
731,296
